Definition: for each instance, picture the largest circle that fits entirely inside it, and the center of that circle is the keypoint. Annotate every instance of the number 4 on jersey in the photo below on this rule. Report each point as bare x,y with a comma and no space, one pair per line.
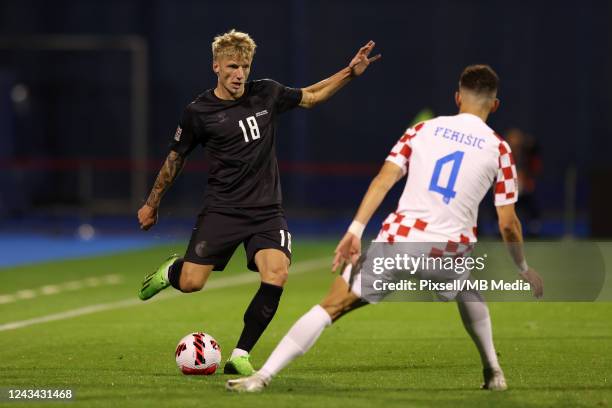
447,191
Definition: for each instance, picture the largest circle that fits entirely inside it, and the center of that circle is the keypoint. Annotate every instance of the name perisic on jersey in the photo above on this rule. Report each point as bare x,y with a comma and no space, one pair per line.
459,137
263,112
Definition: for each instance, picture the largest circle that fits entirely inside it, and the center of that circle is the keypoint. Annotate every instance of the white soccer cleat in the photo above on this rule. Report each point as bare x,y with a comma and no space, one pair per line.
494,380
253,383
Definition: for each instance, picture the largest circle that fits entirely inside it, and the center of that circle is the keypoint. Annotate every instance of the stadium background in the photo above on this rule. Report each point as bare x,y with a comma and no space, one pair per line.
91,92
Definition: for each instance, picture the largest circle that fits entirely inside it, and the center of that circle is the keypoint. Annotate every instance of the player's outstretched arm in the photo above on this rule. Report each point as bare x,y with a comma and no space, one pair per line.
512,234
349,248
322,91
147,214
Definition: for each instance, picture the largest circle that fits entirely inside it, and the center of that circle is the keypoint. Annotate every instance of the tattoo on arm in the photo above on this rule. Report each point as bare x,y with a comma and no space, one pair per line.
171,169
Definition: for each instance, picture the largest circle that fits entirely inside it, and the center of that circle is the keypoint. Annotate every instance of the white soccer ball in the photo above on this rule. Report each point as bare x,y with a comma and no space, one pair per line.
198,354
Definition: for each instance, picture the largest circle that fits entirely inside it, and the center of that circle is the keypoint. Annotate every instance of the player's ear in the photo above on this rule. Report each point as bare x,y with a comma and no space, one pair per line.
495,105
458,99
215,67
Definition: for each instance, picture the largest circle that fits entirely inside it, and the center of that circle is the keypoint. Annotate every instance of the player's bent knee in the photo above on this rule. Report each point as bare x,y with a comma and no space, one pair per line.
276,275
191,286
194,276
191,282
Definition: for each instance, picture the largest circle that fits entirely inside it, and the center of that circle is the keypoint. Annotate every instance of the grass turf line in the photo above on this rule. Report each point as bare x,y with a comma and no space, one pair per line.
397,354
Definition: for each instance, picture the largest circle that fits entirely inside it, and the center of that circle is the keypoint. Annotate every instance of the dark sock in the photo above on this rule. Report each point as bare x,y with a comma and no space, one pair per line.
174,273
259,314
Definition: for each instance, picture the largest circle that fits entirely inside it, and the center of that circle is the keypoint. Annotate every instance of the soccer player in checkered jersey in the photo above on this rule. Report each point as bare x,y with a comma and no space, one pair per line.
236,124
474,158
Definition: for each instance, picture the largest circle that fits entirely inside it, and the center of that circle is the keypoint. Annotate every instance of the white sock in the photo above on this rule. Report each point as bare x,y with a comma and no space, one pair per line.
239,353
476,320
300,338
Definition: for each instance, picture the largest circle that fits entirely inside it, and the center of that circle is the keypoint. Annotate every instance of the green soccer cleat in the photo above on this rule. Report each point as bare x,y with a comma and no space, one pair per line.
156,281
238,365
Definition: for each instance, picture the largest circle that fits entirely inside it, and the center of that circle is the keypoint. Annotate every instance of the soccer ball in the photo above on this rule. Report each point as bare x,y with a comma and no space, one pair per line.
198,354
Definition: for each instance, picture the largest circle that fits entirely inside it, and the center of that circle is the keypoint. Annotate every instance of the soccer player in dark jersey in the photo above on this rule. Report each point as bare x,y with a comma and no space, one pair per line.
236,123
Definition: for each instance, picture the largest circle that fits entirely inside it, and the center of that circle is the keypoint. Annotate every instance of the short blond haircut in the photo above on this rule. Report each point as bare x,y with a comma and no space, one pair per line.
233,44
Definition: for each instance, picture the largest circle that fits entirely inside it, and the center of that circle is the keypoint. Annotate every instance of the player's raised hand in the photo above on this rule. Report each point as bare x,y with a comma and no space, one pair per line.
347,251
535,280
147,217
362,59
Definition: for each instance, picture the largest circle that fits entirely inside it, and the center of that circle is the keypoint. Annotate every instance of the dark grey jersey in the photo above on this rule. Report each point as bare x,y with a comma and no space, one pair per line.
239,137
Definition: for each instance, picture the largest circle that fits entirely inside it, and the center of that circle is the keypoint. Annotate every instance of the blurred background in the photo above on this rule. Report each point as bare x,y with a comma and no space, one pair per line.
91,93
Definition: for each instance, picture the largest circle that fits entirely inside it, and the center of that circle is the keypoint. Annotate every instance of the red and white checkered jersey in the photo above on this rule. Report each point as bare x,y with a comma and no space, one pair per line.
451,162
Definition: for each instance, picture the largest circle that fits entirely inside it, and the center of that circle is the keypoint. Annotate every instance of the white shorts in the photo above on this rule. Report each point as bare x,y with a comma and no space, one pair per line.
361,279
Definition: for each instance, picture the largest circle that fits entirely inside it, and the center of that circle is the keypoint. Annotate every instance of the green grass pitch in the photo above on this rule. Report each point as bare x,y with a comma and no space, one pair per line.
393,354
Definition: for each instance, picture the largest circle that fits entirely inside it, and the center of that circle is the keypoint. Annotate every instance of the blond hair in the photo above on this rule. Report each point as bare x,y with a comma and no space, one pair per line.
233,44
